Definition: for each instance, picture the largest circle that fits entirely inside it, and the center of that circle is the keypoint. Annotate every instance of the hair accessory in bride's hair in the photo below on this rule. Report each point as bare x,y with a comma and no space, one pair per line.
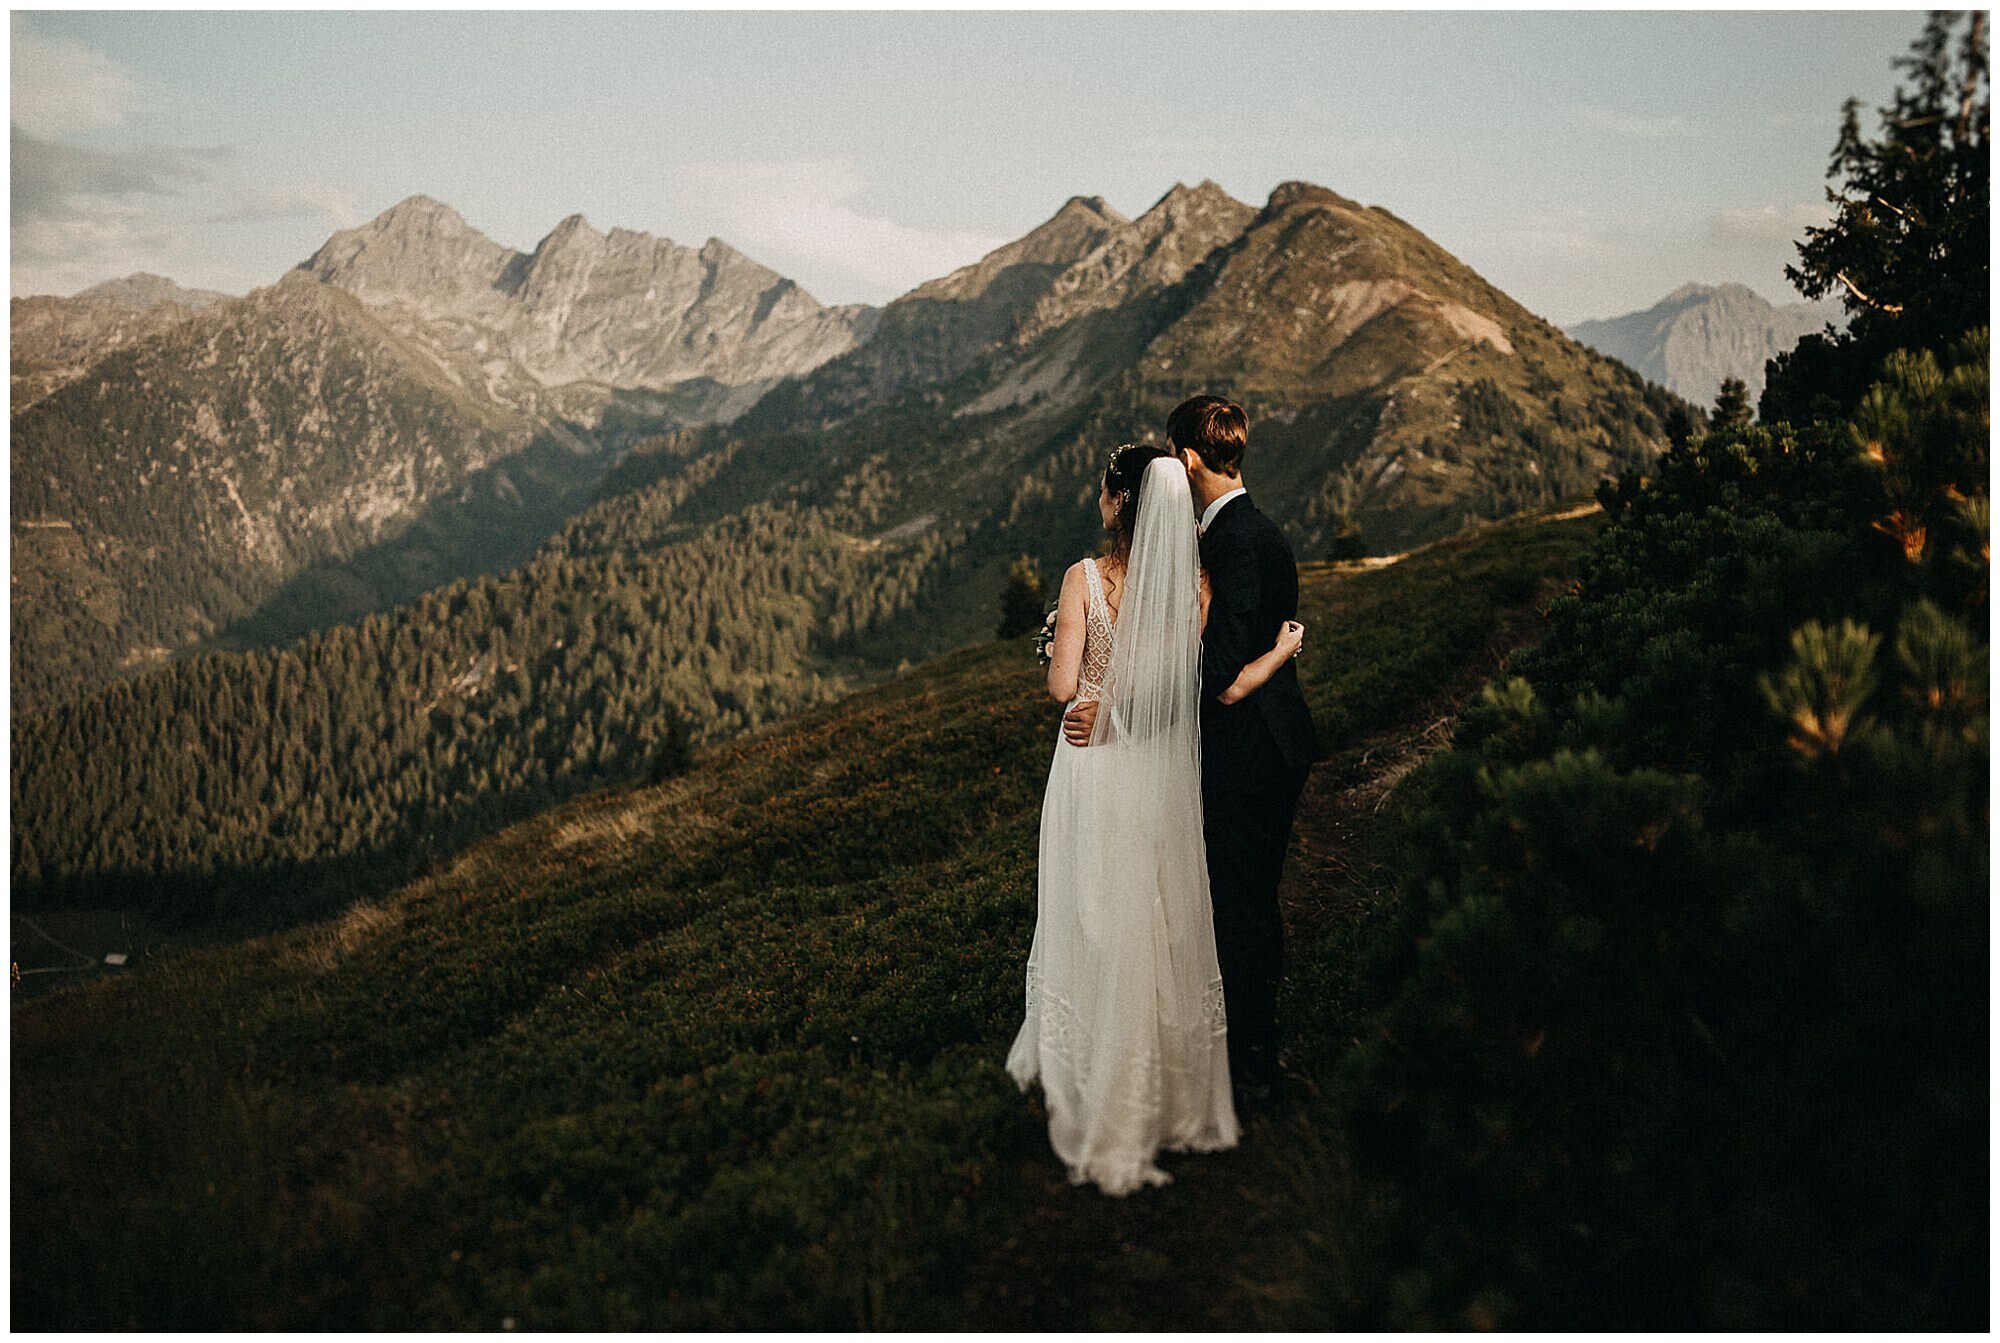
1125,491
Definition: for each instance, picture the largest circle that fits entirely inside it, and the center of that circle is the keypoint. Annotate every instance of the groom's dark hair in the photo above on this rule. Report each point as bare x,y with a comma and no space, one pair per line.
1214,429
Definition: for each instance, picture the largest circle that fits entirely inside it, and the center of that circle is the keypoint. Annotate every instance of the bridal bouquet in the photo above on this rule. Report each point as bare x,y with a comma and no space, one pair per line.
1045,638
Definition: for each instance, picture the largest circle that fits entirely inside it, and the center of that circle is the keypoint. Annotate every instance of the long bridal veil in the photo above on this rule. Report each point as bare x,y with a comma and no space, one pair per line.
1153,697
1125,1024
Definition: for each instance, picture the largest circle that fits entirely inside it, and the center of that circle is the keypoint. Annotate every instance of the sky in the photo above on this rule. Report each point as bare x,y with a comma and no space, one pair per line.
1587,163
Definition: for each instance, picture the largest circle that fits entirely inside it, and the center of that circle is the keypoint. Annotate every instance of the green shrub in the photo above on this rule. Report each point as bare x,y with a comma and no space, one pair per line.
1685,1008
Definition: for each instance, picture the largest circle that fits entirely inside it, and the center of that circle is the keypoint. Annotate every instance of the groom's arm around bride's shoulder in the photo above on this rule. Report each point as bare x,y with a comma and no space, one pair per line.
1229,643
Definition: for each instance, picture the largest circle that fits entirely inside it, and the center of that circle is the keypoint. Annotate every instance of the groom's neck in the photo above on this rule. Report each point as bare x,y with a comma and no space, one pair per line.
1212,485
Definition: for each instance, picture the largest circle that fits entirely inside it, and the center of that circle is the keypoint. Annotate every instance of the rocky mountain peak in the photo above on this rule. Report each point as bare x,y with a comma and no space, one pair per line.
1146,255
419,252
574,231
1291,195
1702,333
1691,290
1181,195
1092,207
1183,204
1079,217
716,252
1065,238
420,214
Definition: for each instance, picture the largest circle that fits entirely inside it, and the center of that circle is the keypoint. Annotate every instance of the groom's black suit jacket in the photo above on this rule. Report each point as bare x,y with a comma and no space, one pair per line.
1253,589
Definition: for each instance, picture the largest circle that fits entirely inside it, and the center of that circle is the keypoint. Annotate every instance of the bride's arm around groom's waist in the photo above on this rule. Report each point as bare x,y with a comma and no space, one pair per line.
1066,655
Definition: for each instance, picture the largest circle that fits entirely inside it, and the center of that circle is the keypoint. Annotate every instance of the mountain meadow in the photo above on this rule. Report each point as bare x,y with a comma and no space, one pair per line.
570,810
1589,995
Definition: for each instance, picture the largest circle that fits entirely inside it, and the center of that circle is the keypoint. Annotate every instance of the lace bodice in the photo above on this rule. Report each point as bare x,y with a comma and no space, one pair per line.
1097,628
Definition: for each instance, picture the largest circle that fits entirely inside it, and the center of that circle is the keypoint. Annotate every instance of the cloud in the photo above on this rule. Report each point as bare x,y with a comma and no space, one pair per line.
63,256
1639,127
80,215
1766,224
799,217
52,180
60,87
308,200
1590,232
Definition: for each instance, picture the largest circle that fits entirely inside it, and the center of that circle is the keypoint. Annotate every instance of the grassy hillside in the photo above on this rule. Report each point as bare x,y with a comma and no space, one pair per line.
722,1052
253,790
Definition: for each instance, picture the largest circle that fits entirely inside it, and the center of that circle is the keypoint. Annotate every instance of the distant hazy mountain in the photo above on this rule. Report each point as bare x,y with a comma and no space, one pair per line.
1700,334
58,339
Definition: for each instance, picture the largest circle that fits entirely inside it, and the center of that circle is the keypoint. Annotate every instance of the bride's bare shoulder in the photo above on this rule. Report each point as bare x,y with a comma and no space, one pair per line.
1074,579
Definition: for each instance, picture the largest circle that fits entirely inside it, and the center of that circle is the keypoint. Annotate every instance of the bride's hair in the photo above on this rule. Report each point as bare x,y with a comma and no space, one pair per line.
1122,481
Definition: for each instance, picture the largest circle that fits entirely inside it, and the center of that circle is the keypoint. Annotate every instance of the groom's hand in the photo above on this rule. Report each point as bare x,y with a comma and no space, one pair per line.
1077,723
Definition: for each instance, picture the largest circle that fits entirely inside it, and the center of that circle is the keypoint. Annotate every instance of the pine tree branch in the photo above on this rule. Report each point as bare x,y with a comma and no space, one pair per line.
1891,308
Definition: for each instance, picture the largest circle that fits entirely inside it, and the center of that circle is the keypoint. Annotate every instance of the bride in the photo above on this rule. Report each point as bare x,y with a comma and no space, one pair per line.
1125,1027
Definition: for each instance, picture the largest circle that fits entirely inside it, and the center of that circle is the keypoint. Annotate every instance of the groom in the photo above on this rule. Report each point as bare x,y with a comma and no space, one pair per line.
1254,753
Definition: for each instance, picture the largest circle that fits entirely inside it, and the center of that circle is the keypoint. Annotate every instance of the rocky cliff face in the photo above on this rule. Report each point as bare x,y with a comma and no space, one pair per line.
585,310
943,327
1155,251
1700,334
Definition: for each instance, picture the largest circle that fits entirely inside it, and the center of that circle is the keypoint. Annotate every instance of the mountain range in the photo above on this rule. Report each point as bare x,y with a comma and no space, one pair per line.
1702,333
445,588
415,402
183,459
1394,394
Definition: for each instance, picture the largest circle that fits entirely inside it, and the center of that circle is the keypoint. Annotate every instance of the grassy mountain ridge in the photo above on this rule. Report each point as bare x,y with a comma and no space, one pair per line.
723,1052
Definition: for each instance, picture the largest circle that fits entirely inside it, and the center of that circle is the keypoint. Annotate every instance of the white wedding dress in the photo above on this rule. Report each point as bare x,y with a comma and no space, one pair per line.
1125,1027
